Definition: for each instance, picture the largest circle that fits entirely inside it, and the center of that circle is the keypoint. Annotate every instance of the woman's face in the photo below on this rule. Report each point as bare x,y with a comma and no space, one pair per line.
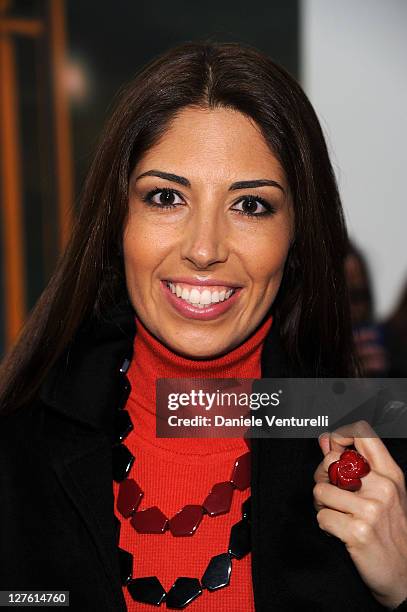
204,223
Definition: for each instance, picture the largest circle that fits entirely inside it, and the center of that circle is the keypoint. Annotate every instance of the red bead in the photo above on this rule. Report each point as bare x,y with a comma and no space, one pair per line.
219,499
129,497
347,471
241,472
356,464
333,472
151,520
186,521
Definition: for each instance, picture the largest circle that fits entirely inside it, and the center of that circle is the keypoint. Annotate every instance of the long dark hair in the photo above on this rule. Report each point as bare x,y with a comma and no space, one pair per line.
311,306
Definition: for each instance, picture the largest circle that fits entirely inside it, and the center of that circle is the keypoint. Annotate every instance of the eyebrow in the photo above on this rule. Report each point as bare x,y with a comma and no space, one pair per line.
186,183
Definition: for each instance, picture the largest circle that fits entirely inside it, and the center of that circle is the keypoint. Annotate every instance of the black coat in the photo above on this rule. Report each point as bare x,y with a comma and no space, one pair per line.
56,496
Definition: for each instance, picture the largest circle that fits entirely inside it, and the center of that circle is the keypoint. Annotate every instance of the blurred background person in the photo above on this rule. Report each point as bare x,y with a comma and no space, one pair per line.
368,333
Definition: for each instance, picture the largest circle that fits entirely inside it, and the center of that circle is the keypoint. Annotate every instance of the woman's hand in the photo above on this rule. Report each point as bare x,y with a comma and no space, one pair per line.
371,522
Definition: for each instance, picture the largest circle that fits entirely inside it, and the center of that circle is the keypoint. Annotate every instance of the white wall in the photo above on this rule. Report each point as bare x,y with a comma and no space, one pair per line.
354,70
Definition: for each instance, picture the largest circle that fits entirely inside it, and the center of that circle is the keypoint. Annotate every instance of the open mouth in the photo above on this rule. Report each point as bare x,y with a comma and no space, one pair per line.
201,296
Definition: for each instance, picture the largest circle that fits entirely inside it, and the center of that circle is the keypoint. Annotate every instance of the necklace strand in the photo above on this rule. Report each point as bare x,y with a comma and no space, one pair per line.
149,589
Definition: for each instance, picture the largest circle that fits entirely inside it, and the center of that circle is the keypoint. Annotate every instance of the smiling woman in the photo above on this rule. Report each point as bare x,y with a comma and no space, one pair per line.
195,246
210,244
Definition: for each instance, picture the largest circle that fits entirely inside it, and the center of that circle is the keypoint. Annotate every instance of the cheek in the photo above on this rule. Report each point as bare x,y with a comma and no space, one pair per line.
145,247
140,245
265,257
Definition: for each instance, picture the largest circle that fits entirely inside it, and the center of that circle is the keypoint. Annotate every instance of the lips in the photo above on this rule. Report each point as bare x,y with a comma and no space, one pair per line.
195,311
201,281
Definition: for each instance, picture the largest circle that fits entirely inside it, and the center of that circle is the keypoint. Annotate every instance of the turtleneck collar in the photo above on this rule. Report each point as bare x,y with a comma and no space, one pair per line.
159,361
152,359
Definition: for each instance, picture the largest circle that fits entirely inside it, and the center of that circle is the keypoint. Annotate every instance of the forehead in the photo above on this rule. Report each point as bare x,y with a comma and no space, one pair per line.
218,143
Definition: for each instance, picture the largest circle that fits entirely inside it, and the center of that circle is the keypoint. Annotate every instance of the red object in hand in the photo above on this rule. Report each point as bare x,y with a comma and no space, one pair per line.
348,470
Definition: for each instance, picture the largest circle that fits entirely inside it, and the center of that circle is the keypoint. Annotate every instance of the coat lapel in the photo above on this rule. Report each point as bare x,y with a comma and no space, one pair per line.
271,459
81,394
81,460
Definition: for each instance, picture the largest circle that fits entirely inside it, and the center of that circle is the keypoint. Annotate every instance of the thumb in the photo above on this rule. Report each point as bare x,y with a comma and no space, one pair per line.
324,442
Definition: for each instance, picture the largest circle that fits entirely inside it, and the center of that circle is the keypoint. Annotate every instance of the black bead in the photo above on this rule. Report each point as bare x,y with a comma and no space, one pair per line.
247,509
239,542
147,590
183,591
217,574
125,564
122,426
122,460
117,525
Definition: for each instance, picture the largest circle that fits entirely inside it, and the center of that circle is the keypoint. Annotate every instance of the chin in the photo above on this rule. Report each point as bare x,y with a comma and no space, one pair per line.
200,352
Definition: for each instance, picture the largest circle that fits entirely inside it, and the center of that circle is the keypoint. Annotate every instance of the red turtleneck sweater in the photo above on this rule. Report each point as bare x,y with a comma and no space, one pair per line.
174,472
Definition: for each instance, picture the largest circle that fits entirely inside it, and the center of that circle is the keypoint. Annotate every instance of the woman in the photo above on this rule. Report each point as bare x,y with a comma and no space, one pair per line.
212,183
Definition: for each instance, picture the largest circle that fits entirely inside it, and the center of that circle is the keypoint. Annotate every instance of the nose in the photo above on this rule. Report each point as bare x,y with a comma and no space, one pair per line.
204,242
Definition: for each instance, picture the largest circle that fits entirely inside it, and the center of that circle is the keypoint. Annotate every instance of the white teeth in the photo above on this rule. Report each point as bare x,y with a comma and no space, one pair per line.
194,296
200,298
205,297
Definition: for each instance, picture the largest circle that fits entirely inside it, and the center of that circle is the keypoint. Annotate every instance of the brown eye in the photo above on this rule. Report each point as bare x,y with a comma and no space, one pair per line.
162,198
250,206
254,206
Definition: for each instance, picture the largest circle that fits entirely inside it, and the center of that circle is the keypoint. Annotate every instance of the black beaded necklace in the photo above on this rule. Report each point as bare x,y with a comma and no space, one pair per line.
148,589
